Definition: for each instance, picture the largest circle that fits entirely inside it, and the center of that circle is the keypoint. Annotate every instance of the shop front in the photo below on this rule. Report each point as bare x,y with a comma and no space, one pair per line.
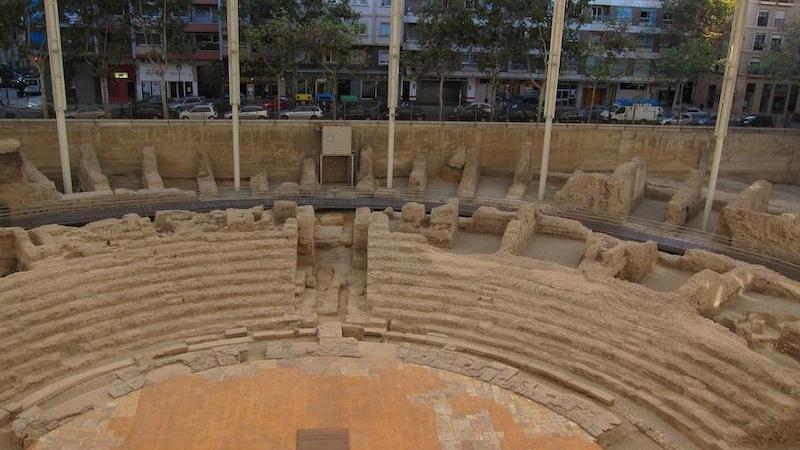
121,83
181,80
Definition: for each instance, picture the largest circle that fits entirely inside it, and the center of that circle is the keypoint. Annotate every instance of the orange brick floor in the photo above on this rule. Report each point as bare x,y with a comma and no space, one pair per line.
385,405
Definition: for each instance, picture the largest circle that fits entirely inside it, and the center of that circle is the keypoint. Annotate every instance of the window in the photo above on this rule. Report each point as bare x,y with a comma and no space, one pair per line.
647,17
645,42
598,13
775,43
749,93
201,14
667,18
468,60
779,98
383,57
758,41
624,14
763,18
780,19
386,3
359,3
330,58
384,29
755,62
148,38
766,93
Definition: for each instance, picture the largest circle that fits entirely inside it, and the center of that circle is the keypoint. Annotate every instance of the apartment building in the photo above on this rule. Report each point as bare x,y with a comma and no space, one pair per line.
197,74
767,23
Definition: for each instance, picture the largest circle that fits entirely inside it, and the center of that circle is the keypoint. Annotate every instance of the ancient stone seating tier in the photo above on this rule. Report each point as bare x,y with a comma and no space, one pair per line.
116,286
588,330
587,342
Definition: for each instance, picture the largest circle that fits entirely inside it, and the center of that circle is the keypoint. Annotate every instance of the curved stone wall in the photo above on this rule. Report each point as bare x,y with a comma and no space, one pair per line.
107,302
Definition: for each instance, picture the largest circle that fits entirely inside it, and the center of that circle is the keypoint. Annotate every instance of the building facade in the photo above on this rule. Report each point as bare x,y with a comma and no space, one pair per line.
766,28
198,74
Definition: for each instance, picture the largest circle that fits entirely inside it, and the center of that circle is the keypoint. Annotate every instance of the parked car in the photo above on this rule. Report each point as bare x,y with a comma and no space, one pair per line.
406,111
249,112
270,102
28,85
638,113
147,110
693,111
573,115
199,112
678,119
185,103
595,113
302,112
357,112
87,112
705,120
518,112
757,121
474,112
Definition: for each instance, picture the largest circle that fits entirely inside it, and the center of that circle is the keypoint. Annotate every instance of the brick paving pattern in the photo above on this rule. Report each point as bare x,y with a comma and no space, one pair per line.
260,405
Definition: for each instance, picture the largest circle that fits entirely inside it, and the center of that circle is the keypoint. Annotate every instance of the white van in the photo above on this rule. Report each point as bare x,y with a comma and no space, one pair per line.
638,113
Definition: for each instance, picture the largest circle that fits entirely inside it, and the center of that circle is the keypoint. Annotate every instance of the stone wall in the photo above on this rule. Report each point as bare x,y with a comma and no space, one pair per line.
614,195
764,233
279,147
755,198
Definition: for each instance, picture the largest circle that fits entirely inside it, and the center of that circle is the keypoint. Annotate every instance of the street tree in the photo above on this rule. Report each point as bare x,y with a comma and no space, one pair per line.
685,62
329,36
535,19
97,35
498,26
12,24
161,27
605,55
276,42
443,29
694,41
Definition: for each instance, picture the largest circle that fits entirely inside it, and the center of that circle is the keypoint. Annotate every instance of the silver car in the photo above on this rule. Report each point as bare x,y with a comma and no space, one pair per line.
199,112
87,112
250,112
302,112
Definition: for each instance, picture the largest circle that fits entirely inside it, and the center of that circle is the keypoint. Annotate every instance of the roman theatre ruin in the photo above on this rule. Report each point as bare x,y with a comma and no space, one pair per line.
153,310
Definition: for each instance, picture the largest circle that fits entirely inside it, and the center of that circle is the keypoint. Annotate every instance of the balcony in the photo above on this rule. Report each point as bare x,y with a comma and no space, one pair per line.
206,55
202,27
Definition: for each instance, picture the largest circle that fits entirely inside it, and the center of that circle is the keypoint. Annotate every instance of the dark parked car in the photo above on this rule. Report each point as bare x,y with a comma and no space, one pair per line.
705,120
478,112
406,112
147,110
516,112
571,115
357,112
757,121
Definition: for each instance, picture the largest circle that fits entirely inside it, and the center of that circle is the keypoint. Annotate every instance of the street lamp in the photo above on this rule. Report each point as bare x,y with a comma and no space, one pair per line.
180,85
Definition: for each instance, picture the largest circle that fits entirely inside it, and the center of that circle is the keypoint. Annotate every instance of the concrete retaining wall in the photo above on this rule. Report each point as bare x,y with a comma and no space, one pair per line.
280,146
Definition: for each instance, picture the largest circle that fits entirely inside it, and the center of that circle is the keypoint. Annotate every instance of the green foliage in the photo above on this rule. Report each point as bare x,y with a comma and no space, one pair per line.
160,30
603,57
98,33
684,62
443,28
12,23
